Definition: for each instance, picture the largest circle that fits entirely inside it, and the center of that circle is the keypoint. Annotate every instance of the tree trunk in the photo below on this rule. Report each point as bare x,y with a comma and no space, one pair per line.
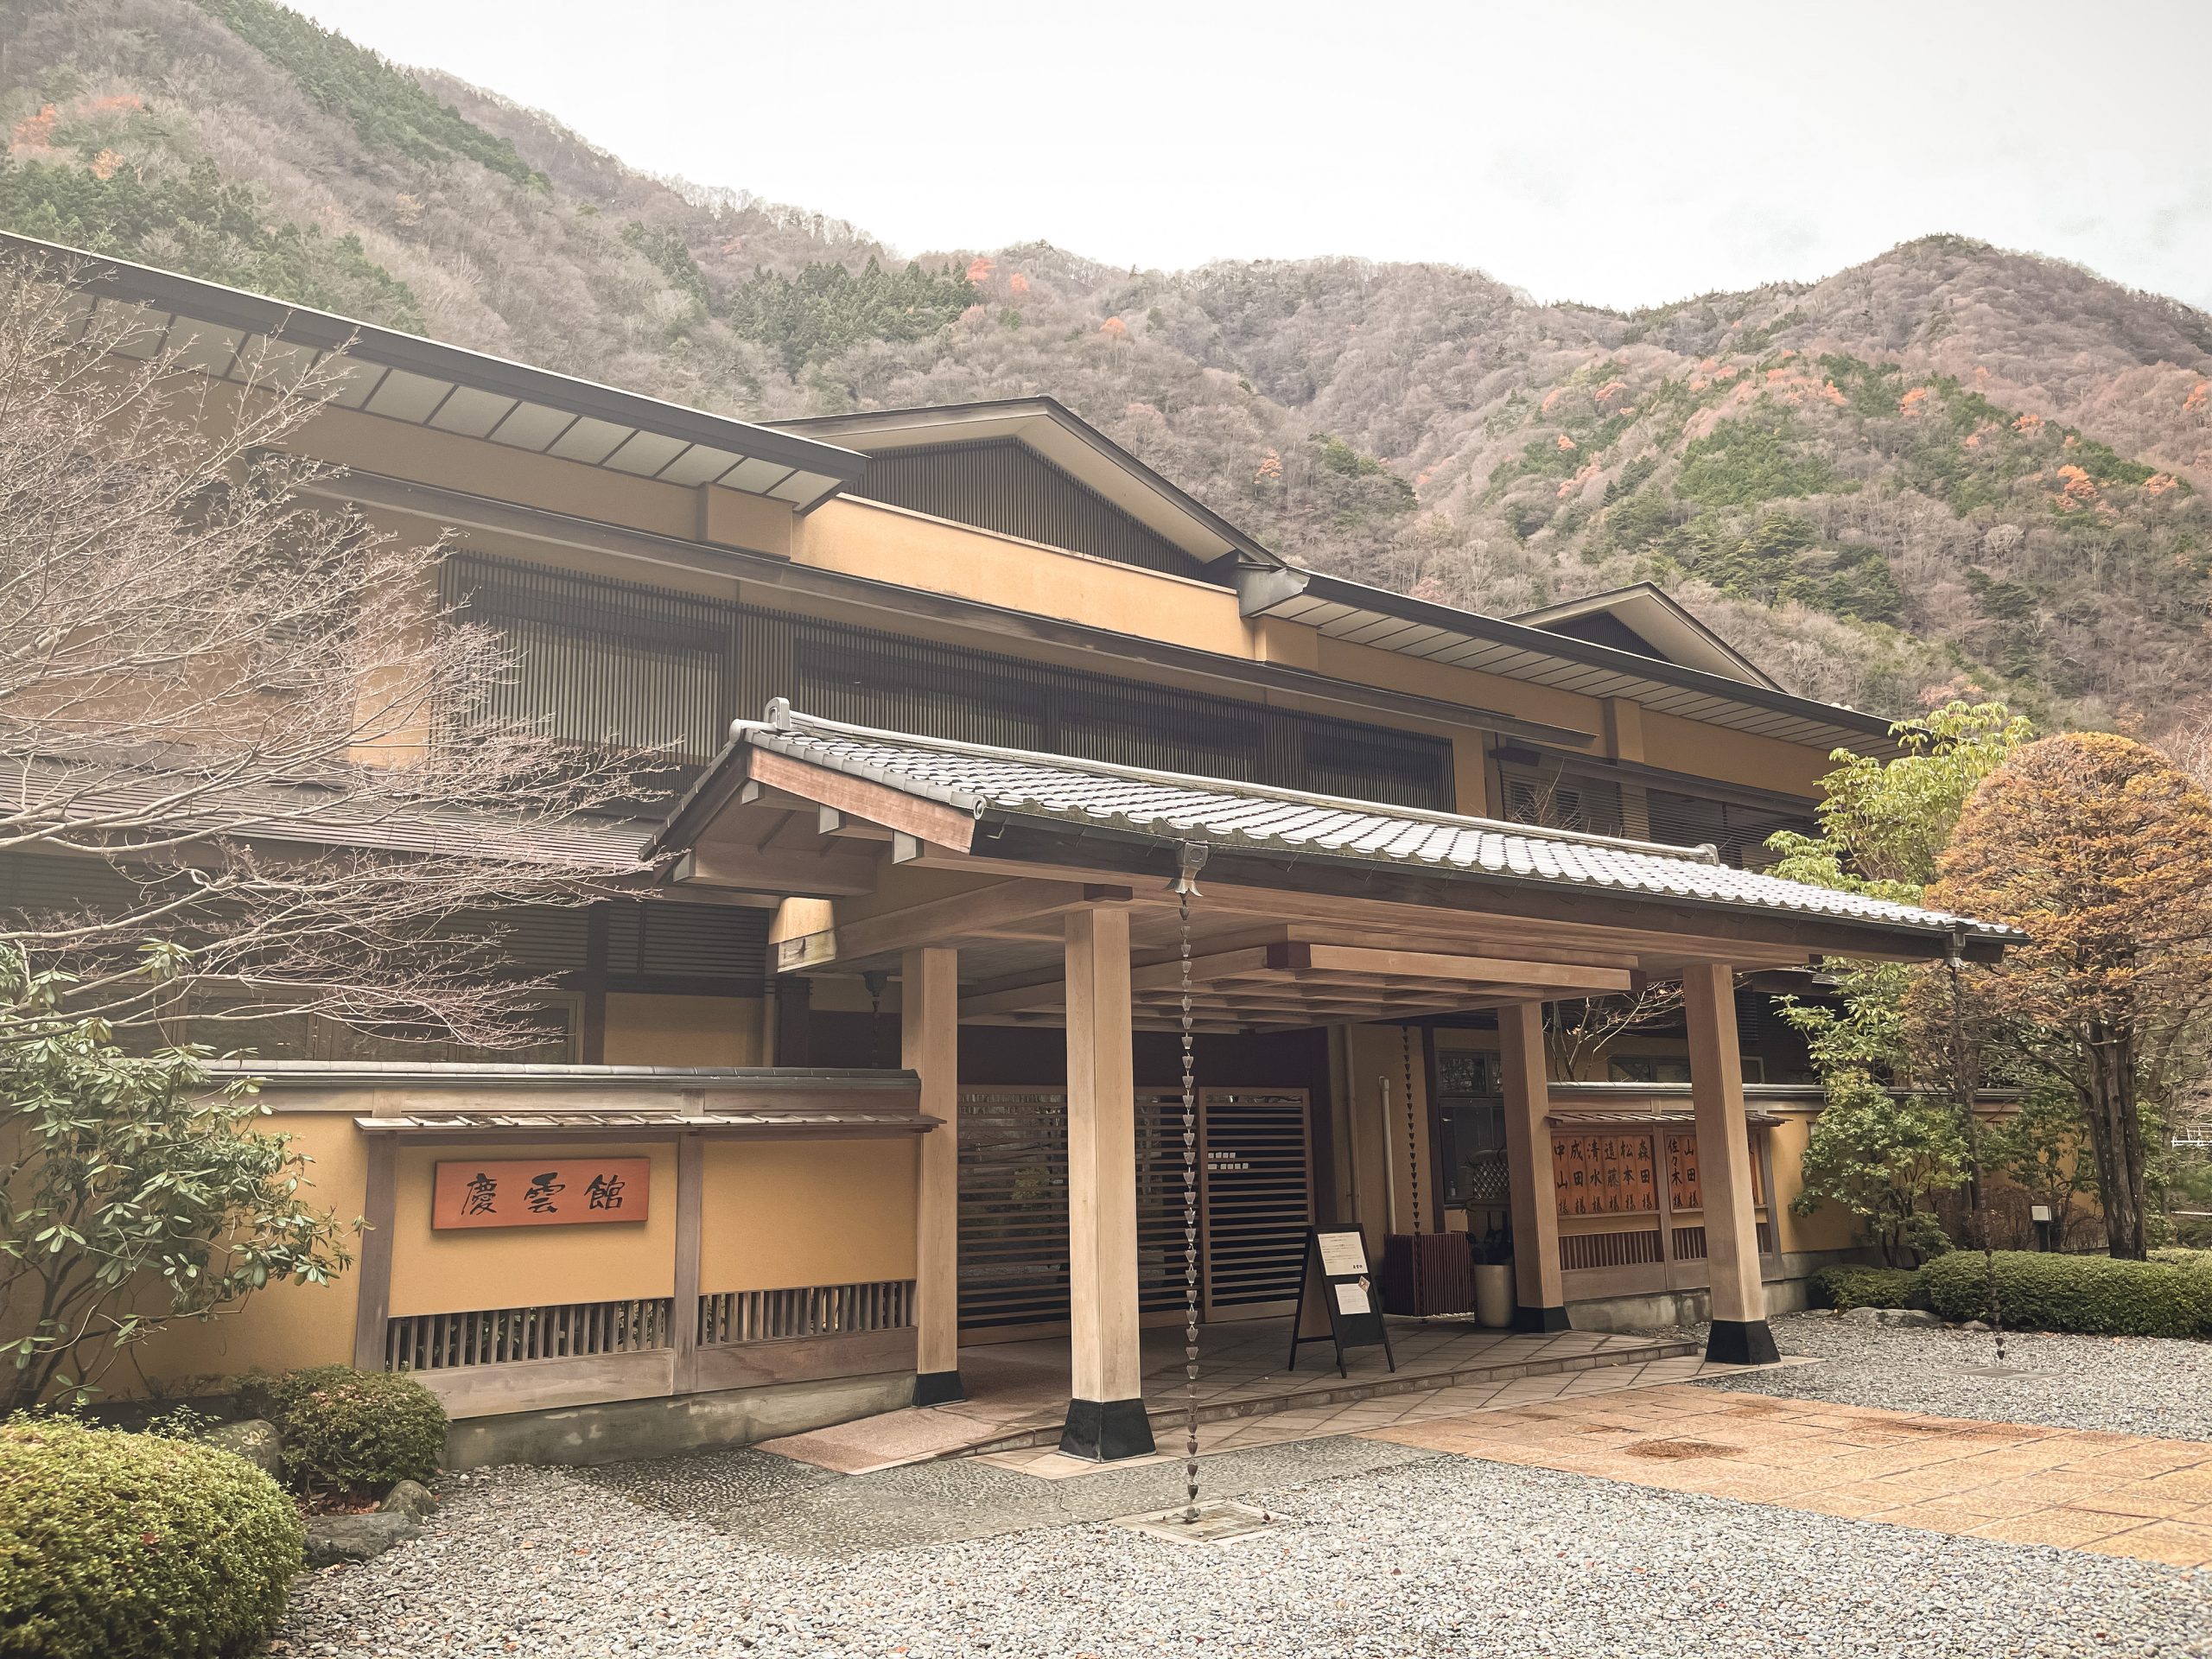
2116,1130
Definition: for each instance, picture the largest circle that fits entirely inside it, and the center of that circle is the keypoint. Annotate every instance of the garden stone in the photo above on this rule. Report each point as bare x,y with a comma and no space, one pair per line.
344,1540
1974,1325
257,1441
1904,1316
410,1498
1864,1315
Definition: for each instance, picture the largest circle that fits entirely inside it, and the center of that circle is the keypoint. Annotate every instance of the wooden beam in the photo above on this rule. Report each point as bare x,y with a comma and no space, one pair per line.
929,1013
1534,1200
372,1273
815,875
691,1219
1424,964
939,921
894,808
829,821
1106,1375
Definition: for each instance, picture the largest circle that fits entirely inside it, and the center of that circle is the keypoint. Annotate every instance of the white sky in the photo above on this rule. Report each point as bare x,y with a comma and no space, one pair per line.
1619,153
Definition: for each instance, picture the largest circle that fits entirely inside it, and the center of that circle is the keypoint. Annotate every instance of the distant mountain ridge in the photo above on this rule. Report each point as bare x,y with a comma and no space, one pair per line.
1950,466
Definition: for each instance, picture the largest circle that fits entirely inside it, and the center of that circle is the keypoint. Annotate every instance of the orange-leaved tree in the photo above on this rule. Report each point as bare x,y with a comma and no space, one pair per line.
2099,850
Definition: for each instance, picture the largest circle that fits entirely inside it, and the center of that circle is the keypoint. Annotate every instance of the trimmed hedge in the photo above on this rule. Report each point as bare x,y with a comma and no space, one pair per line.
2092,1295
1846,1287
120,1545
356,1433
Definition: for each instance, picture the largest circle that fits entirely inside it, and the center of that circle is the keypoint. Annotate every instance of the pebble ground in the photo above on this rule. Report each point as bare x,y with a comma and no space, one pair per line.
1379,1550
2129,1385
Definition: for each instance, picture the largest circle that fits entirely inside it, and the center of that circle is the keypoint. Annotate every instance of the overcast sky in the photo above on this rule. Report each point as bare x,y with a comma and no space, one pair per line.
1622,154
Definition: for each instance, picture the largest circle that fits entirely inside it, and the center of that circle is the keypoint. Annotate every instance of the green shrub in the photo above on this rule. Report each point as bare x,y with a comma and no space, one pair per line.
356,1433
115,1546
2094,1295
1850,1286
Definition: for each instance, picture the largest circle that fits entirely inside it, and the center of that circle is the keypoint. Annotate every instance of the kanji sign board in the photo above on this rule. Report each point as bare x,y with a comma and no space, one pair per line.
540,1193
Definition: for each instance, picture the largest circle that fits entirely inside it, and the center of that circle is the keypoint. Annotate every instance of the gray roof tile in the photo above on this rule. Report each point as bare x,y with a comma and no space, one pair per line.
981,779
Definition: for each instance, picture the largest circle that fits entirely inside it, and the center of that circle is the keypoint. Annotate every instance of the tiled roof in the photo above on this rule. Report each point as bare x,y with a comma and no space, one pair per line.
981,780
100,790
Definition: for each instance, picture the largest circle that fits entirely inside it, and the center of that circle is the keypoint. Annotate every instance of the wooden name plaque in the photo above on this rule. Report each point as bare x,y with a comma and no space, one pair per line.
559,1191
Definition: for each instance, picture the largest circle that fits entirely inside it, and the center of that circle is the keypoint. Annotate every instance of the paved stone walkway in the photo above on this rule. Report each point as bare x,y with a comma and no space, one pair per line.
1361,1416
2111,1494
1017,1391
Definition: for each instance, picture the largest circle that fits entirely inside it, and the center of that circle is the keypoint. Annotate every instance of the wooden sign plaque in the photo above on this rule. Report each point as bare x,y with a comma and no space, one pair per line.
1336,1297
555,1191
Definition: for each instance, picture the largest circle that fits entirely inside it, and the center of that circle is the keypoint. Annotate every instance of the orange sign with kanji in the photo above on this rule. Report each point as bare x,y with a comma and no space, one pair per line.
541,1192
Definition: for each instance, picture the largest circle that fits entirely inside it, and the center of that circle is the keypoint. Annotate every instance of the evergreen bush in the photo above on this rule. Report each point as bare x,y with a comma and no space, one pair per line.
119,1545
1846,1287
355,1432
2092,1295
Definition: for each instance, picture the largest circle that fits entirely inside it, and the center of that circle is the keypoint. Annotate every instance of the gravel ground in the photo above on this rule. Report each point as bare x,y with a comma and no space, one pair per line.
2131,1385
1433,1555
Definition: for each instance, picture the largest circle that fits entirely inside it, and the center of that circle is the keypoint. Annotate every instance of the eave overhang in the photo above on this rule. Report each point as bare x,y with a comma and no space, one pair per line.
1360,615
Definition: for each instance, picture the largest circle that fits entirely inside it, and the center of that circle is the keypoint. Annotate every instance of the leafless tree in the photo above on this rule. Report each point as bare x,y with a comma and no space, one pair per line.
240,712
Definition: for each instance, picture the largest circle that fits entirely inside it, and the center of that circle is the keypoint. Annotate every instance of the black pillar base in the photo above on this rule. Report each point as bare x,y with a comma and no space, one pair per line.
1741,1342
1540,1320
937,1388
1106,1430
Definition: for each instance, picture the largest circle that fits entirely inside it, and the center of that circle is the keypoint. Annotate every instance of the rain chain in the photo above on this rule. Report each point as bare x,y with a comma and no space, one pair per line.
1186,888
1413,1132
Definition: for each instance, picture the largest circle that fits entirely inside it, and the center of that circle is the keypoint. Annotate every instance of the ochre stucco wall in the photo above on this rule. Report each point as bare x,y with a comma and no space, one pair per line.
529,1266
643,1030
285,1326
780,1213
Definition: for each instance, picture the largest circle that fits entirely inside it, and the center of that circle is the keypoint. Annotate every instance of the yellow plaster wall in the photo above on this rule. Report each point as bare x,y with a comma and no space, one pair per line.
286,1325
886,543
781,1213
1828,1228
1686,745
529,1266
653,1030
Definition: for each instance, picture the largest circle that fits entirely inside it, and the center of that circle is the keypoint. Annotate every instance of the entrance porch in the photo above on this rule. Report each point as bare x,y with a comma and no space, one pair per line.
1017,1392
1023,891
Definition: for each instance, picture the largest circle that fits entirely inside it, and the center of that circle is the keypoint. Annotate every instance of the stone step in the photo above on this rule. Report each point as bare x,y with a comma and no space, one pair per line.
1167,1413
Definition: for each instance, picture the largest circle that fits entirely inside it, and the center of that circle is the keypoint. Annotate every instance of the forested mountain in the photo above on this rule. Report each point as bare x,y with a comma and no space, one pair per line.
1952,464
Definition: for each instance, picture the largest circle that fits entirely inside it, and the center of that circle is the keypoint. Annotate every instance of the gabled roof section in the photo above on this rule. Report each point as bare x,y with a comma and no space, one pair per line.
1048,429
1002,784
1647,620
1353,611
235,335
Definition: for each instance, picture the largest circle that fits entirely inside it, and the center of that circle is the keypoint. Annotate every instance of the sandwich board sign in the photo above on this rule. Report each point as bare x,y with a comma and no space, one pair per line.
1336,1297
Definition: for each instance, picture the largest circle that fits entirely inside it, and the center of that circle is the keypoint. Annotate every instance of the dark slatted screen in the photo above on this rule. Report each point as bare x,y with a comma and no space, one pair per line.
1740,832
641,667
603,662
726,943
1254,1190
1004,487
1541,795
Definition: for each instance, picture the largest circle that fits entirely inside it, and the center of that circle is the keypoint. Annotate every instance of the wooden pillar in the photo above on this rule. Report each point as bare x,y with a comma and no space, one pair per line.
1106,1418
691,1223
929,1015
372,1272
1539,1292
1739,1334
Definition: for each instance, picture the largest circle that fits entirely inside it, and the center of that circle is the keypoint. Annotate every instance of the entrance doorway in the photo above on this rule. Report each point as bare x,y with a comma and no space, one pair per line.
1255,1204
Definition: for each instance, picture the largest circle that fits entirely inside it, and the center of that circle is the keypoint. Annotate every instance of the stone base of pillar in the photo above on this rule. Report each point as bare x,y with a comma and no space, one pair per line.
1106,1430
1540,1320
1741,1342
937,1388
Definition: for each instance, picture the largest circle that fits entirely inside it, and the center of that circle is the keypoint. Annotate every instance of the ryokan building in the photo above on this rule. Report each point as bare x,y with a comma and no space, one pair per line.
885,1064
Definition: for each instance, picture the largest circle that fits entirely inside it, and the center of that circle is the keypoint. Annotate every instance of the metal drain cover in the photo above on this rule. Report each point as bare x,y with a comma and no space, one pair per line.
1217,1523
